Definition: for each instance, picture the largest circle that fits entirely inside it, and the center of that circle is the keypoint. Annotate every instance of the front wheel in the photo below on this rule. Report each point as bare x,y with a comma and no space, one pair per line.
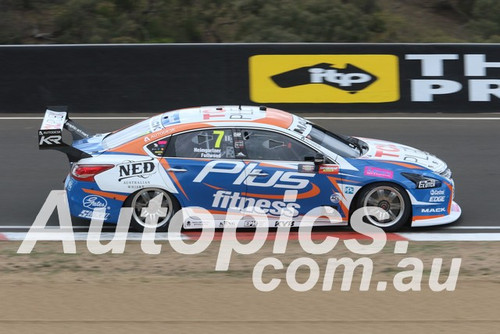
144,208
393,199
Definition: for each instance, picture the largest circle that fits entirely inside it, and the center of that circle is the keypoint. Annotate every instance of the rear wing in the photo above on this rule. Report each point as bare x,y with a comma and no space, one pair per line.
50,135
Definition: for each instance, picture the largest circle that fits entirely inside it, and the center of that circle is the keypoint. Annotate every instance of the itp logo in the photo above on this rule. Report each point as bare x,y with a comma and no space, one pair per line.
324,78
351,78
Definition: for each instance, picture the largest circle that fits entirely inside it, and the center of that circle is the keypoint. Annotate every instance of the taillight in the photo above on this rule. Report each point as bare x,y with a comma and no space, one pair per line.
87,172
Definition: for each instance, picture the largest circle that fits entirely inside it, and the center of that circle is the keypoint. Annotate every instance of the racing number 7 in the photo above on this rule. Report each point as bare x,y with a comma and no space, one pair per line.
220,134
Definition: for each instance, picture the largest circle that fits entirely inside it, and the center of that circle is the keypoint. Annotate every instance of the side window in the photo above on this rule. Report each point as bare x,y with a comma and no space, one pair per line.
268,145
159,147
207,144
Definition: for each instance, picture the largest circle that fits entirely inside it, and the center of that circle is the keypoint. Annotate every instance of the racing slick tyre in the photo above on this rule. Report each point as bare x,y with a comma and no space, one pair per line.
162,214
390,197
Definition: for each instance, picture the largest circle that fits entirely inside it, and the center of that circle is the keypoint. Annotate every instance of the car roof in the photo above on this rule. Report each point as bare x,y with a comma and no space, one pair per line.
232,113
180,120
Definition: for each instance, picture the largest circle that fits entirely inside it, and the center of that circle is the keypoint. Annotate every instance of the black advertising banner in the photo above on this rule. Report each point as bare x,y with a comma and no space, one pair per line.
294,77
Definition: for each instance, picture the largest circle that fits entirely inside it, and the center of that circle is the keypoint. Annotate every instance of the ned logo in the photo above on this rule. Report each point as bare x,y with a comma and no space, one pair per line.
324,78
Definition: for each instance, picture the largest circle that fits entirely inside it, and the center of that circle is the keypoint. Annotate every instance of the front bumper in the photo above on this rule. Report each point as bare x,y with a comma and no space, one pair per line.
455,212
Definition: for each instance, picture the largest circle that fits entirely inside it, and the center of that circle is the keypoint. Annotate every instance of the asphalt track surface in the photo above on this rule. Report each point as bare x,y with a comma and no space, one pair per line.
469,143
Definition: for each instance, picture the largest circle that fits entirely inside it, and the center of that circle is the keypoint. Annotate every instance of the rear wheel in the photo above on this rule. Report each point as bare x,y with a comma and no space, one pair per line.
144,208
391,198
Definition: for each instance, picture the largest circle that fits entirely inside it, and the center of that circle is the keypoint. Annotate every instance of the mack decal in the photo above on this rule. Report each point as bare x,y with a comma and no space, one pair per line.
433,210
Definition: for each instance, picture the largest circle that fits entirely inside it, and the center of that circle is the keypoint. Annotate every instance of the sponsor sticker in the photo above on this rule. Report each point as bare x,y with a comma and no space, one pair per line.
335,198
171,118
136,184
94,202
159,134
379,172
158,148
324,78
136,169
306,168
284,223
227,199
250,223
87,214
433,210
50,138
155,124
437,192
329,169
437,199
53,120
349,190
193,223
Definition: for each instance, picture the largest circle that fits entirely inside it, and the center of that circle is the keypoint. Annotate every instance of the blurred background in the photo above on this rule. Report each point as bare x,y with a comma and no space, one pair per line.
217,21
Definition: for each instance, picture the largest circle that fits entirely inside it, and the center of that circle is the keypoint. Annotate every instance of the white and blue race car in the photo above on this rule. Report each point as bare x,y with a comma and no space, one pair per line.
247,159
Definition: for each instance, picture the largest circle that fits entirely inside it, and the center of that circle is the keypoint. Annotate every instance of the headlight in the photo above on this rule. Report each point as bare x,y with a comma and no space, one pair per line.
446,174
422,182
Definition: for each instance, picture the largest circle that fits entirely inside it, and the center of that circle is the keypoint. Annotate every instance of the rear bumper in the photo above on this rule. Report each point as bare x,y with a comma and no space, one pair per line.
84,197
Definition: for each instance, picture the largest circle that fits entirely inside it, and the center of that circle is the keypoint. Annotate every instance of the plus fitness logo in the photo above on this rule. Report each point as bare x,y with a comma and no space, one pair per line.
324,78
408,274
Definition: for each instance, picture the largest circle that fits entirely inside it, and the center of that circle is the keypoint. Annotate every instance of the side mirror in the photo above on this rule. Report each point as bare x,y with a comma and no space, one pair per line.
318,160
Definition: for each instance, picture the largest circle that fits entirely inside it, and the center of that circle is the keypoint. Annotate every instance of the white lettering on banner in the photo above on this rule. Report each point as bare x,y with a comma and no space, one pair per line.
424,90
482,90
476,65
434,65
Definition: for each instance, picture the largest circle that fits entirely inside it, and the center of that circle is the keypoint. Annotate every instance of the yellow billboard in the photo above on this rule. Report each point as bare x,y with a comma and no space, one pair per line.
324,78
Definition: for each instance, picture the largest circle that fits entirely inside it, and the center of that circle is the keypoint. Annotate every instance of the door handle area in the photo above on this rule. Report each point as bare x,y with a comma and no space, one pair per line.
258,174
177,170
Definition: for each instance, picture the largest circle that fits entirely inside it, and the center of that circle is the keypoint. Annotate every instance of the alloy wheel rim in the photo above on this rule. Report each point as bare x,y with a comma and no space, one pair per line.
141,200
388,199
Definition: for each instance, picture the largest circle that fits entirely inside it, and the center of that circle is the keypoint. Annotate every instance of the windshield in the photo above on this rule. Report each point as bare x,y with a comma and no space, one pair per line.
132,132
335,143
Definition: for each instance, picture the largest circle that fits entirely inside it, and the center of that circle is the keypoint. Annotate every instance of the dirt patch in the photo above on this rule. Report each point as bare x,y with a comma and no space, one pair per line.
50,291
